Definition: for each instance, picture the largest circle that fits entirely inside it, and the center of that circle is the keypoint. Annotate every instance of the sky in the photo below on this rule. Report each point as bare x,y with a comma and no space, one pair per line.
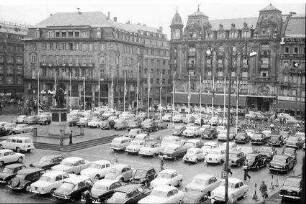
153,13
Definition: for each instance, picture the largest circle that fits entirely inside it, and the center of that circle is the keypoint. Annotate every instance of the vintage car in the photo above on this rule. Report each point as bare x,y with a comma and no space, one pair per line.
208,146
167,117
164,194
231,145
220,128
44,120
215,156
9,172
171,140
149,125
24,178
72,120
130,193
49,182
167,177
188,118
8,156
236,157
276,140
222,136
3,131
178,130
83,122
21,119
144,175
134,146
133,132
161,124
133,124
72,188
178,118
290,151
32,120
192,131
282,163
120,143
120,124
105,125
203,183
73,165
255,161
152,148
296,142
209,133
268,151
213,121
267,133
236,189
242,138
22,128
10,127
250,132
194,155
292,188
18,143
96,170
100,191
259,139
198,143
48,161
119,172
142,136
173,151
94,123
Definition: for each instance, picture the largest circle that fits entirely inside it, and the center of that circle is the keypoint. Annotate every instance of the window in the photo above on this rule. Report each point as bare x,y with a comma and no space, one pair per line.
70,34
286,50
64,46
37,34
33,58
77,34
44,46
64,34
70,46
51,46
50,34
296,50
57,34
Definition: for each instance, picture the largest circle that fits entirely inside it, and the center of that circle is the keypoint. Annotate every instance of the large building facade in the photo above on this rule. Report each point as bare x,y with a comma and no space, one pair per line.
88,52
11,59
264,55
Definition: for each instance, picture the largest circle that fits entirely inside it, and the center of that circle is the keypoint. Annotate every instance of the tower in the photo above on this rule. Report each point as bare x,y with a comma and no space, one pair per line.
176,26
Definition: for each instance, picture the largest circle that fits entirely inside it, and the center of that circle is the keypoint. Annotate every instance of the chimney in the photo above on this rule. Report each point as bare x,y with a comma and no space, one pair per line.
108,15
115,19
79,12
160,29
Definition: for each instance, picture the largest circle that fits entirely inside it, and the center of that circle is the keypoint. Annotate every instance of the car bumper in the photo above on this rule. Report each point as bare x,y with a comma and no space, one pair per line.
240,141
146,153
278,169
257,142
39,192
167,156
117,148
290,197
193,160
131,151
212,161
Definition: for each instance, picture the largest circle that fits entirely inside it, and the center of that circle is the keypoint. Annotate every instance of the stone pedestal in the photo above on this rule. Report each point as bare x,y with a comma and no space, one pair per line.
59,127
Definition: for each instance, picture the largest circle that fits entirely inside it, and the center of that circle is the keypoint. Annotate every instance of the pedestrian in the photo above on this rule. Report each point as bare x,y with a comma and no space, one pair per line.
264,190
162,163
246,171
228,169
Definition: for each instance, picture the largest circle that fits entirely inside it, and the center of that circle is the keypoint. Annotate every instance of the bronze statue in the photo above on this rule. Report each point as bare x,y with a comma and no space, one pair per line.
60,98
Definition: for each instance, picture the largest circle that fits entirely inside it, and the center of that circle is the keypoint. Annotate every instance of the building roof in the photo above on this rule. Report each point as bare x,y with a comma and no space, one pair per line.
13,29
269,8
227,23
198,13
296,27
177,20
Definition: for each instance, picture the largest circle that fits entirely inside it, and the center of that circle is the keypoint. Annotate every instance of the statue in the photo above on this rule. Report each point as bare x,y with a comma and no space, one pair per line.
60,98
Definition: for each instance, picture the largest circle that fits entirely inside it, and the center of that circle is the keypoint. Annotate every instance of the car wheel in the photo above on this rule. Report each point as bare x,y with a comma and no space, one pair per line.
121,179
1,163
20,159
18,149
27,187
97,177
52,191
221,161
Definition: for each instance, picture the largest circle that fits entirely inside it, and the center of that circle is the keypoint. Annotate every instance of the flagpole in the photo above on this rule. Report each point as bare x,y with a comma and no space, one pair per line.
160,96
200,99
84,93
224,100
137,93
189,96
237,103
70,91
149,87
212,98
38,92
173,109
124,92
112,87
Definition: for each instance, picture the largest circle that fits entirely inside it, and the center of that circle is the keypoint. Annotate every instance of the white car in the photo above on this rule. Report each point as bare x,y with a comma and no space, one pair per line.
267,133
250,132
8,156
236,189
97,169
150,149
120,143
209,146
194,155
72,165
133,132
164,194
215,156
203,183
213,121
142,136
22,128
167,117
18,144
21,119
120,172
198,143
222,136
178,118
49,182
134,146
221,128
192,131
167,177
204,127
171,140
94,123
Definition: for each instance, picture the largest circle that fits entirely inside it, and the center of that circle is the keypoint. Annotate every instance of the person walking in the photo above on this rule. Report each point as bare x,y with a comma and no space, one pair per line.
264,190
246,171
228,169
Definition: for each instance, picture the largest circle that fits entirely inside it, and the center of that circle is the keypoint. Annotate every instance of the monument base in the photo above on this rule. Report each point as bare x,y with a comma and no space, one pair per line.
59,127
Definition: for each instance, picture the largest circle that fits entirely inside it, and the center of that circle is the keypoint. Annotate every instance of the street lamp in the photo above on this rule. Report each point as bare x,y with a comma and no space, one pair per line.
84,92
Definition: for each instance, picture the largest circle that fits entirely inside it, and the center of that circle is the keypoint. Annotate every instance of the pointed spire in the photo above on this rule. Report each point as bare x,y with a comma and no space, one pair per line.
176,10
198,7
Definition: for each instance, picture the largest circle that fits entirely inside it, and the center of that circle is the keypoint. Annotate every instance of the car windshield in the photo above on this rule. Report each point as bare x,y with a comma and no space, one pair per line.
159,193
230,184
191,128
135,142
164,175
66,187
27,141
45,160
292,183
192,151
8,170
140,173
67,163
95,166
45,179
279,159
100,186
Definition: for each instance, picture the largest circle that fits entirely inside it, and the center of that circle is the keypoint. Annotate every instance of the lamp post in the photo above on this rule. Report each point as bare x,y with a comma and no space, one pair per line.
38,92
84,93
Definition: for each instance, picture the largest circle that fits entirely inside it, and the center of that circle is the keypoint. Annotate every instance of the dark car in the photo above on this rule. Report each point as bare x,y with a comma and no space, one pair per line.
72,120
44,120
290,151
130,193
276,140
144,175
268,151
133,124
161,124
178,130
3,131
259,139
9,172
100,191
24,178
236,158
46,162
72,188
255,161
209,133
105,125
149,125
282,163
242,138
292,188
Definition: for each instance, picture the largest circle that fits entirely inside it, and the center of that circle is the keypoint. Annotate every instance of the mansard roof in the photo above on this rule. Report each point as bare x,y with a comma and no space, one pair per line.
239,23
296,27
269,8
177,20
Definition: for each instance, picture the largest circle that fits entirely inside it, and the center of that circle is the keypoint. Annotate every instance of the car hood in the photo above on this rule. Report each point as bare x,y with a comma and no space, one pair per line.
160,181
41,184
152,199
60,167
290,188
5,175
89,171
133,147
39,164
97,192
63,191
195,187
192,197
277,164
113,199
214,156
220,191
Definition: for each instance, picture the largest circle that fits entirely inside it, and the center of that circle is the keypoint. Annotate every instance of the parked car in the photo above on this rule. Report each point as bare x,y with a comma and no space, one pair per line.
72,120
296,142
96,170
94,123
22,128
236,157
221,128
192,131
282,163
83,122
48,161
268,151
32,120
142,136
236,190
167,177
10,127
144,175
133,132
8,156
276,140
209,133
152,148
49,182
203,183
198,143
250,132
120,124
105,125
194,155
164,194
242,138
161,124
292,188
3,131
167,117
72,188
21,119
222,136
173,151
149,125
171,140
129,194
9,172
120,172
120,143
208,146
178,130
255,161
24,178
134,146
72,165
267,133
259,139
178,118
101,191
290,151
133,124
18,143
215,156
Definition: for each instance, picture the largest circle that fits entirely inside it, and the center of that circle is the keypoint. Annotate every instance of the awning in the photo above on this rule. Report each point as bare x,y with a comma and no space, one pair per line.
290,105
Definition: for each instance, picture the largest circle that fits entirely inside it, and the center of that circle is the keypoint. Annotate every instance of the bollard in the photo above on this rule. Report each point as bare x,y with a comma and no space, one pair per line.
255,197
276,183
81,130
35,132
61,137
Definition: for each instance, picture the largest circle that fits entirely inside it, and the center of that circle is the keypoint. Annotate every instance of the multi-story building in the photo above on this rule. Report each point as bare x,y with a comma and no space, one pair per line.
89,50
250,50
11,59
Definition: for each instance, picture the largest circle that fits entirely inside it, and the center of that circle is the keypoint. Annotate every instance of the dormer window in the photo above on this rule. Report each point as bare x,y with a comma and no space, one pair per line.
37,34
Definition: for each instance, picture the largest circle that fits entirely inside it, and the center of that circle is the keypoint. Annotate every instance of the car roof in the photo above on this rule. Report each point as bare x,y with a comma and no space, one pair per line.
173,145
168,171
164,188
12,166
280,156
106,182
128,188
204,175
119,166
73,159
54,173
5,150
77,179
20,137
101,162
29,170
147,168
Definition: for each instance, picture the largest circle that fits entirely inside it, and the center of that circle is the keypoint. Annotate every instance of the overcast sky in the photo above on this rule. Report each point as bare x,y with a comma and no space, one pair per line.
153,13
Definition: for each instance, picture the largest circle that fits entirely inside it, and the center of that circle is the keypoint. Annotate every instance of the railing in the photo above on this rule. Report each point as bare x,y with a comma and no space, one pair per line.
67,65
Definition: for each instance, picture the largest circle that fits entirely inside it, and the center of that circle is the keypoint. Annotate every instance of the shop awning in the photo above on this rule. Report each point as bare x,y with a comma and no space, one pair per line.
290,105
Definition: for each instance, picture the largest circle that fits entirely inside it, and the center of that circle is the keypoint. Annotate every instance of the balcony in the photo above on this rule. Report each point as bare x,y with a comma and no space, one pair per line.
264,79
67,65
264,66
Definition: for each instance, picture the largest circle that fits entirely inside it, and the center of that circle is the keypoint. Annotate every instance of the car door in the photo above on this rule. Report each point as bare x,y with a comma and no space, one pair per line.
13,157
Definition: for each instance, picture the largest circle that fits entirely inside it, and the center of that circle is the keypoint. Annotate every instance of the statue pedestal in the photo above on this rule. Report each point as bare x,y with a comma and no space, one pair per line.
59,127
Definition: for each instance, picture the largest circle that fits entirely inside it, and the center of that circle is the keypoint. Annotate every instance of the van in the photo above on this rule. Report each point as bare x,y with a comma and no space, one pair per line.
18,143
